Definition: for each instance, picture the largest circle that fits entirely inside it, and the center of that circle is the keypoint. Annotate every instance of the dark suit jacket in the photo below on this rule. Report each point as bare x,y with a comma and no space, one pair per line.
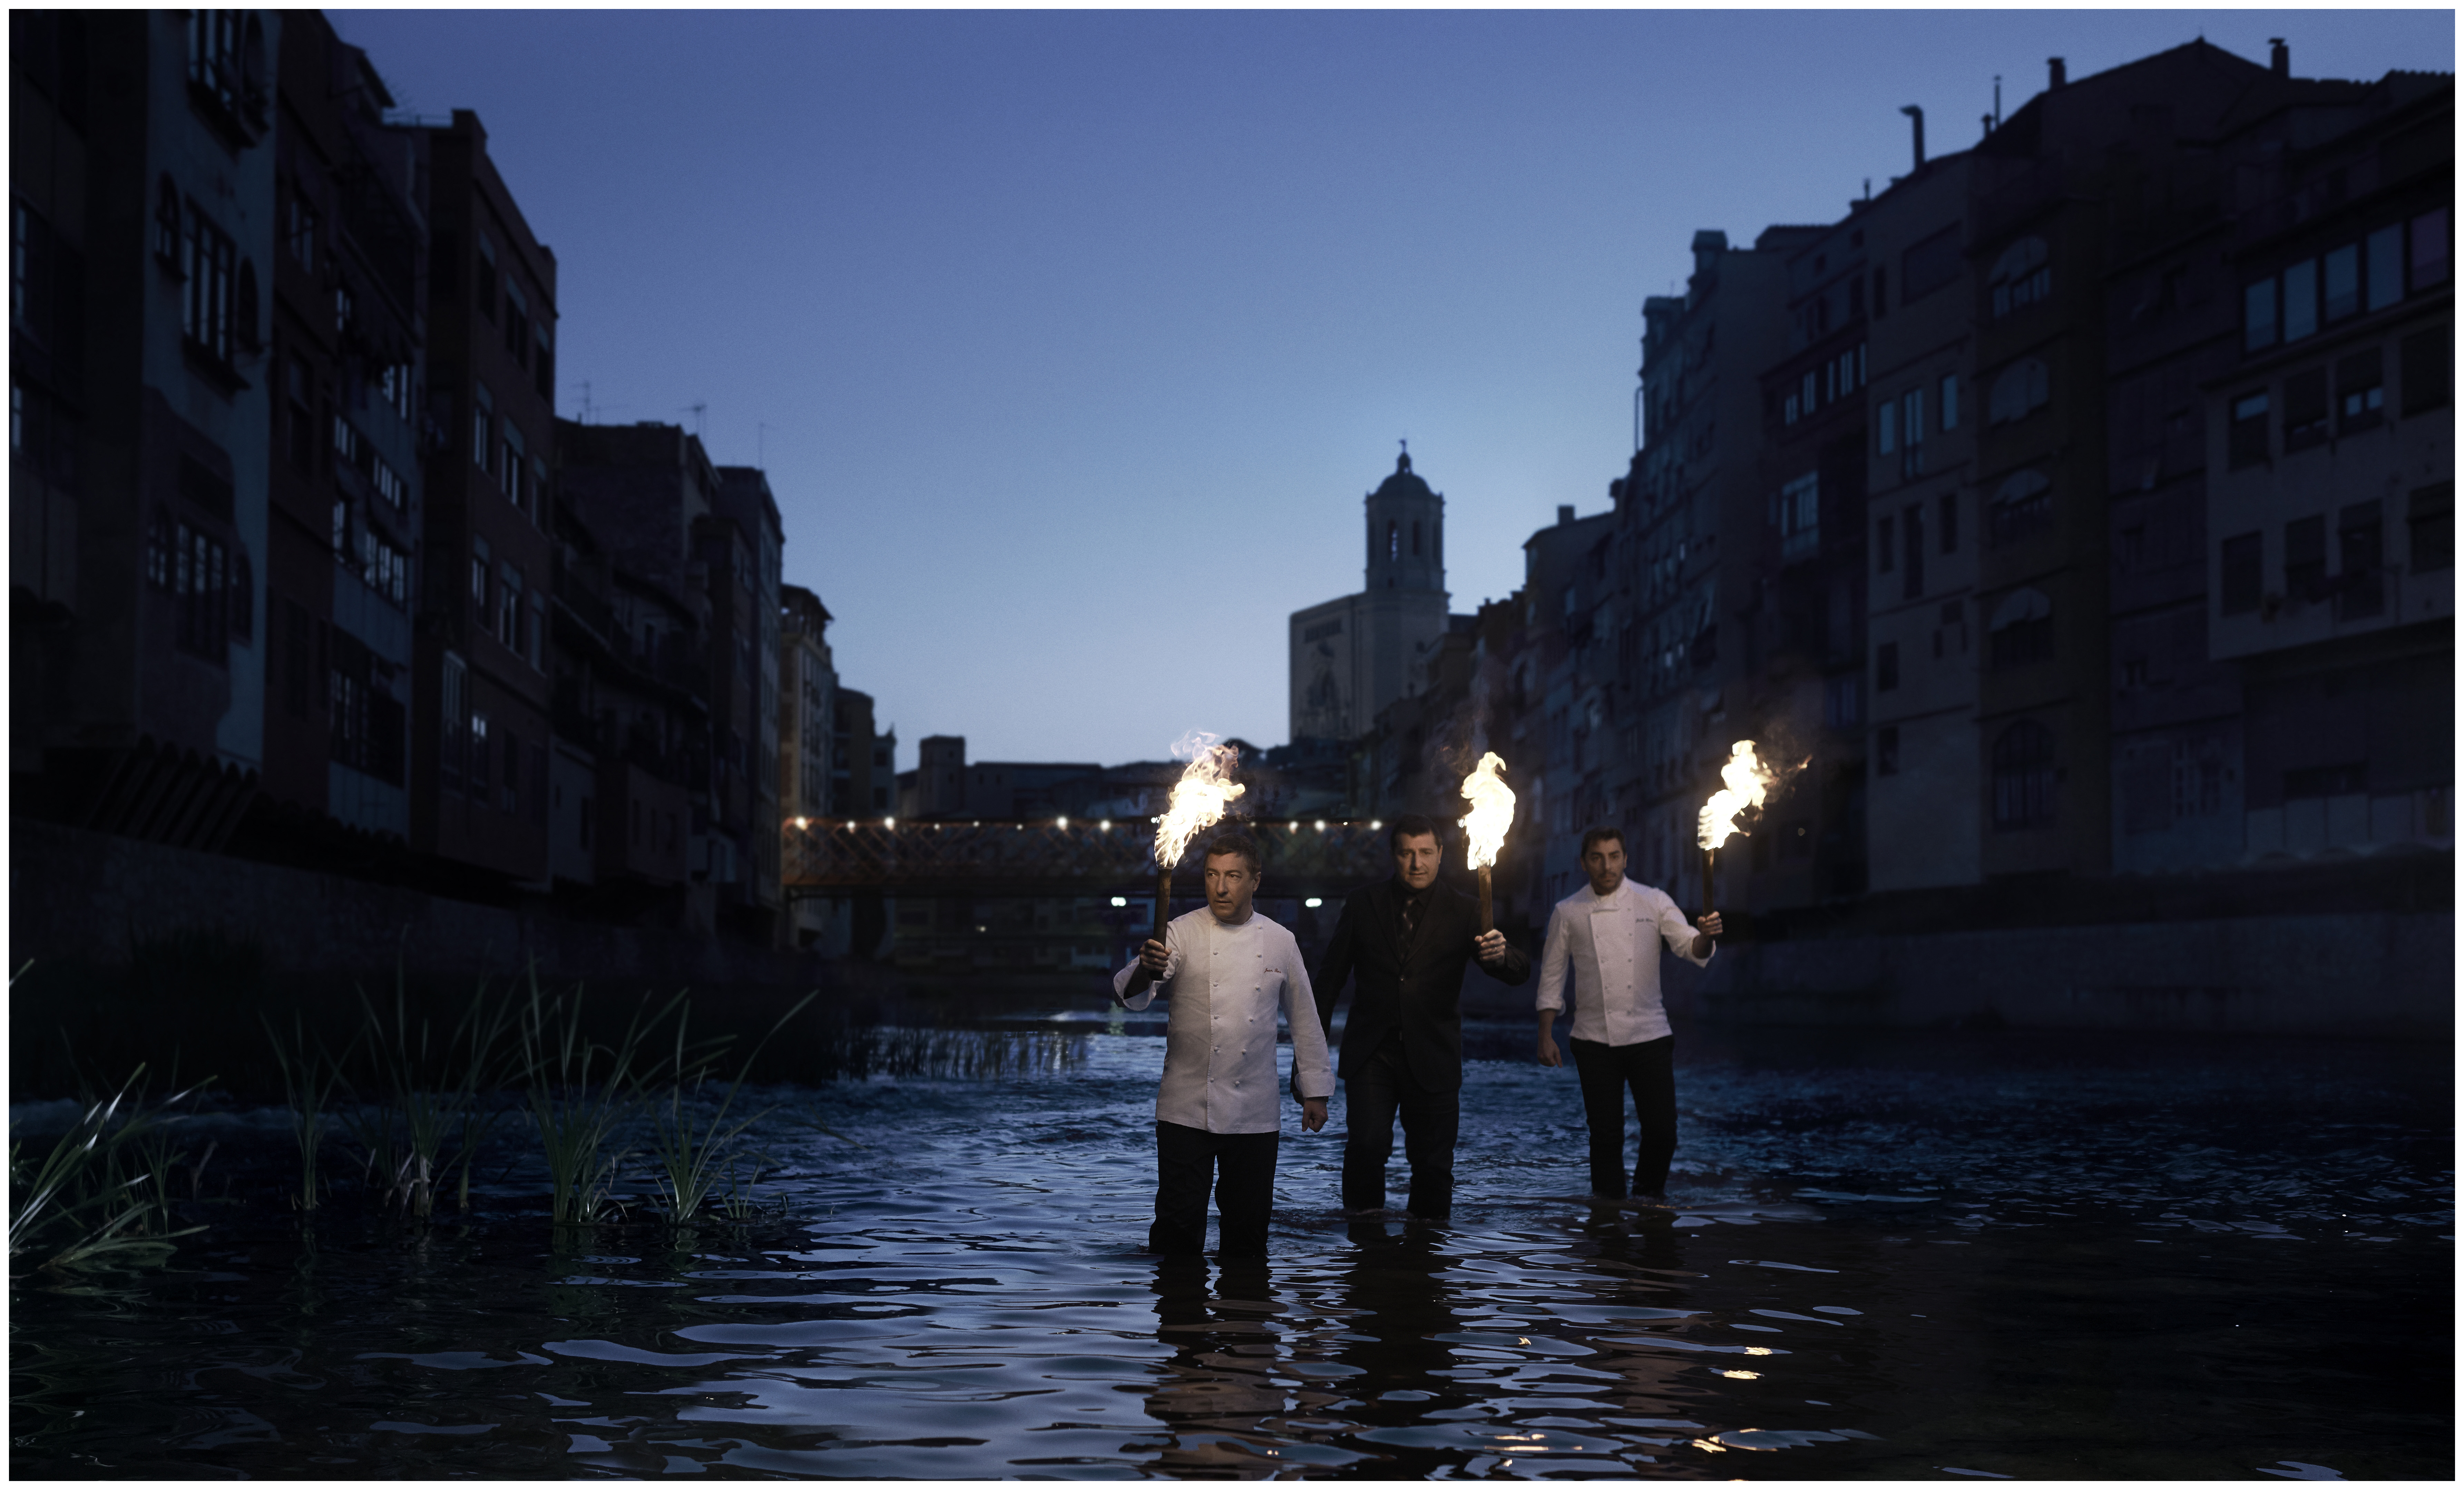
1424,997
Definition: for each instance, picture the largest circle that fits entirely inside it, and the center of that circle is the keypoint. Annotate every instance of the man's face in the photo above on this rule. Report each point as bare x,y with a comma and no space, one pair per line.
1605,862
1230,885
1416,859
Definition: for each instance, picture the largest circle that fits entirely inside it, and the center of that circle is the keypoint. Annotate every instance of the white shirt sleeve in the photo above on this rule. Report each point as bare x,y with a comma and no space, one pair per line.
1312,1074
1171,970
1556,950
1678,933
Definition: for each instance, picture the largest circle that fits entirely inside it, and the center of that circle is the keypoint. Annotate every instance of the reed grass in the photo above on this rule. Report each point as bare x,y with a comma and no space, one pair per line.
433,1092
103,1192
579,1094
689,1143
310,1073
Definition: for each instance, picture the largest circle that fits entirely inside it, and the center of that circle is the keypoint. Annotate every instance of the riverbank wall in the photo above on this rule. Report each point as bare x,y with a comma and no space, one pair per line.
2382,973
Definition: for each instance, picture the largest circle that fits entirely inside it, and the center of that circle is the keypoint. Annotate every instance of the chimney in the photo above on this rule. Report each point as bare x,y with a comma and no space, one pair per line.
1916,116
1710,243
1565,515
2280,58
1985,119
2056,73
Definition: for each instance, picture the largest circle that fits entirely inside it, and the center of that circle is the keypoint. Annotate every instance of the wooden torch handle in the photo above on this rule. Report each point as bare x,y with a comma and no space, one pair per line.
1708,869
1487,920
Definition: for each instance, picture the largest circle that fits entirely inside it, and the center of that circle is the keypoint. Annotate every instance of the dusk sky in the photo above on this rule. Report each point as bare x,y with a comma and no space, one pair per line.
1073,340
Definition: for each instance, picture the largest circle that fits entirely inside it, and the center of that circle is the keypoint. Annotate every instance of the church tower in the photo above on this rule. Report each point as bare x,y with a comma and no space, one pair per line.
1354,656
1406,534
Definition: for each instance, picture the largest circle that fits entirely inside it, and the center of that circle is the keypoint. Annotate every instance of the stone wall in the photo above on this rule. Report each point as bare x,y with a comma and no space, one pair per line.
78,897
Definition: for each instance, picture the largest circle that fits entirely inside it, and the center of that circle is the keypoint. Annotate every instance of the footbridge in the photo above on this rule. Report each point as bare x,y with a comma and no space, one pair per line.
1055,857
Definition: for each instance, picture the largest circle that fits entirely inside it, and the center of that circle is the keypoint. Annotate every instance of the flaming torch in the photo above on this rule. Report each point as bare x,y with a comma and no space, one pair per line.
1746,780
1198,800
1492,812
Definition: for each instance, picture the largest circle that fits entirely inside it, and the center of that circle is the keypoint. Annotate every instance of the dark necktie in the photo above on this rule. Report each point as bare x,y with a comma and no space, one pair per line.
1411,921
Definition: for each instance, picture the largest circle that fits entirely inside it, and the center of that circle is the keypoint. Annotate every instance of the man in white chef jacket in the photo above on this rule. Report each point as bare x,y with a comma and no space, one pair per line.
1611,932
1227,969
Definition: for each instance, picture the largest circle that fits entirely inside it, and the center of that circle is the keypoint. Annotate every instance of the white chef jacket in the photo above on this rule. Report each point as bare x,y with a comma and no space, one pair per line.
1609,938
1218,1050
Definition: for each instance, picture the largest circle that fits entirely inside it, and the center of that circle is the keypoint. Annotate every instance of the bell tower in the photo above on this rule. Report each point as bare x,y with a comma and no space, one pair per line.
1406,534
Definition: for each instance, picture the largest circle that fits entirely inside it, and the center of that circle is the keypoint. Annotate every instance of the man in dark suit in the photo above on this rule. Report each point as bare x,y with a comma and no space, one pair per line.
1404,942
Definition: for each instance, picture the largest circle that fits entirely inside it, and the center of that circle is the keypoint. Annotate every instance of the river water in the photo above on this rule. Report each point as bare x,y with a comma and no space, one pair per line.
1953,1254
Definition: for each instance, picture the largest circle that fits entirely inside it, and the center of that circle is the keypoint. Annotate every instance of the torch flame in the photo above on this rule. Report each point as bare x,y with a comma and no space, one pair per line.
1205,788
1747,780
1492,810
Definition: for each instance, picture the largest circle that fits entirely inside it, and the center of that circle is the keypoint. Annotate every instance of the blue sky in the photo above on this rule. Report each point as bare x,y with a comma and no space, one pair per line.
1071,340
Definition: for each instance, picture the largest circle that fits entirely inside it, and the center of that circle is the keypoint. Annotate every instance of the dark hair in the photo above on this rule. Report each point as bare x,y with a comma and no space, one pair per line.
1593,836
1239,842
1410,825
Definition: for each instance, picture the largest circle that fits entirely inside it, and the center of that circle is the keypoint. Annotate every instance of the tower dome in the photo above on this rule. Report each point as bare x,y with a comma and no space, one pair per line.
1406,533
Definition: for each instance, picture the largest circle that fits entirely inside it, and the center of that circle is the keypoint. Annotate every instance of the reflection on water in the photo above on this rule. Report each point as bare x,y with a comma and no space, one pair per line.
1962,1255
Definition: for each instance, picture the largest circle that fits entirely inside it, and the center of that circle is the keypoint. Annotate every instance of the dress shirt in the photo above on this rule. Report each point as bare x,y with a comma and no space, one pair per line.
1218,1053
1617,969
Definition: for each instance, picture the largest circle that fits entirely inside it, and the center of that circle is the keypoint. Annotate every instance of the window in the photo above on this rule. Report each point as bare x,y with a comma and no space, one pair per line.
2022,276
536,633
1394,541
480,576
514,466
2361,391
394,385
2243,577
1912,537
2429,249
1886,666
2429,518
2305,559
1798,514
2360,551
1887,429
1948,509
2301,299
2020,390
1791,413
1950,401
1416,537
338,535
2258,327
1929,263
2385,257
227,63
1882,293
2427,363
1841,701
2305,409
299,228
480,778
2023,505
207,301
201,582
2340,279
508,622
168,236
2023,778
2022,629
543,370
1887,750
483,279
1913,464
2246,440
452,733
483,411
1881,545
518,323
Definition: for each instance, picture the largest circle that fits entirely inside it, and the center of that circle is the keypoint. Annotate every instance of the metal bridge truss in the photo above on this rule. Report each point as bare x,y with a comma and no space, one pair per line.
1061,857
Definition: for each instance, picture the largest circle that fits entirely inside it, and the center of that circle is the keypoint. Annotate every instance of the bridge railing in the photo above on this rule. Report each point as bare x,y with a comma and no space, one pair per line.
1060,855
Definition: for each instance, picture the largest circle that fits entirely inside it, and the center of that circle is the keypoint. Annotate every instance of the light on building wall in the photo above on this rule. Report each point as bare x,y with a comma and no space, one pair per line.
1120,902
1374,824
1065,822
890,823
1321,825
1106,825
1312,901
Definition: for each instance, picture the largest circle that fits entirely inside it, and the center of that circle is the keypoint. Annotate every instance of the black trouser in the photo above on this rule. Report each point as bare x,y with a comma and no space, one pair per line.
1242,1169
1374,1095
1606,1070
